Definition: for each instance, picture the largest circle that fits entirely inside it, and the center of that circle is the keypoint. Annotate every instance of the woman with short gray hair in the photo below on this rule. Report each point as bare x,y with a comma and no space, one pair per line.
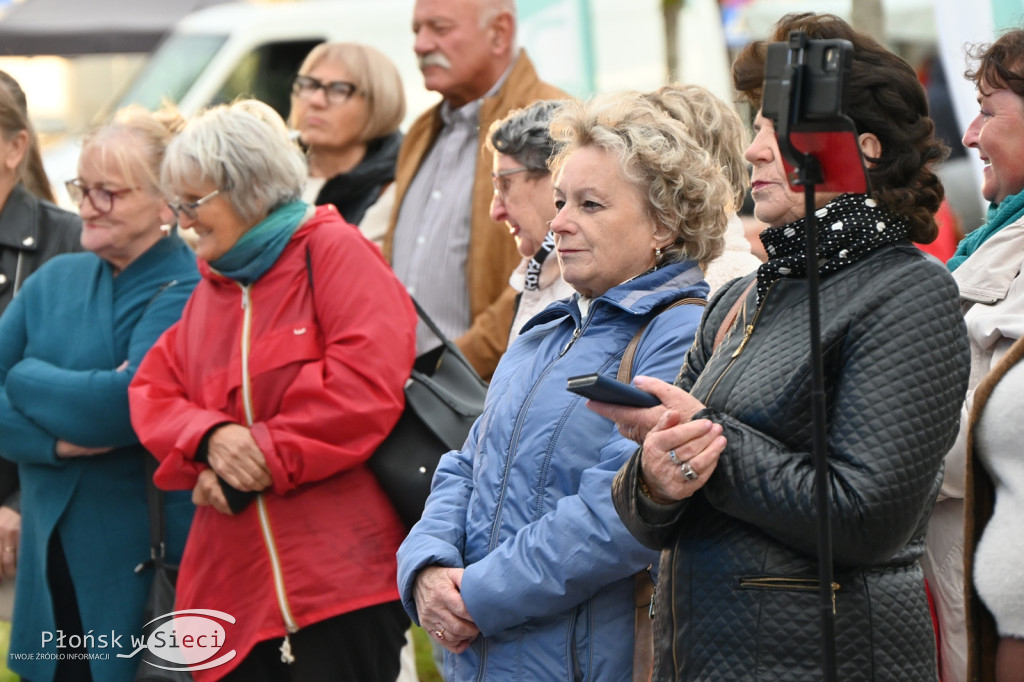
523,200
267,400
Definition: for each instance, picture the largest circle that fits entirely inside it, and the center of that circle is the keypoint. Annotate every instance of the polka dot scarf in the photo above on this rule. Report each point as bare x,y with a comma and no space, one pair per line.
849,227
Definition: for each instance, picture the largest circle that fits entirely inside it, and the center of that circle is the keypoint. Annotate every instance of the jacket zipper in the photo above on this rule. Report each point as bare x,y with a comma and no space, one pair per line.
784,583
748,331
577,332
261,505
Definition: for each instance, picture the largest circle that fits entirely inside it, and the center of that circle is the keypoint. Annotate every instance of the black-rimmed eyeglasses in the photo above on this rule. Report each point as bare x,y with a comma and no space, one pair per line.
335,92
101,198
190,209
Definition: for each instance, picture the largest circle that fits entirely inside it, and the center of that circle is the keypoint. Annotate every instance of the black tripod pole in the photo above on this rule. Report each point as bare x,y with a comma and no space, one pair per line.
810,174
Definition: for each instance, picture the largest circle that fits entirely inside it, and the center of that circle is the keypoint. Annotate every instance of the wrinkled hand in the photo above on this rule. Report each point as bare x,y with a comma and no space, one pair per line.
234,455
10,535
635,422
697,443
66,449
441,610
208,492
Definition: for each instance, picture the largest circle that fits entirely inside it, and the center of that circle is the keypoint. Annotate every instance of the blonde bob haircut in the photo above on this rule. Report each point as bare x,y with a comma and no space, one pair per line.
244,150
376,78
686,191
137,139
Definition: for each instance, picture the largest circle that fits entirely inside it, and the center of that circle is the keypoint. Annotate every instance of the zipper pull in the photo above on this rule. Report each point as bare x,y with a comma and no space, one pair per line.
746,337
654,593
575,335
835,588
286,650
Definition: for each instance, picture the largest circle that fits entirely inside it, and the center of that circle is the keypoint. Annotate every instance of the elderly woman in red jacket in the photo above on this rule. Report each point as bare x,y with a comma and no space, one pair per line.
268,398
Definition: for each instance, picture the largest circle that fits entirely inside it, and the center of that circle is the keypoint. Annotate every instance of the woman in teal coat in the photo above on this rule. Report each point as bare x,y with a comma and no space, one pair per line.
69,346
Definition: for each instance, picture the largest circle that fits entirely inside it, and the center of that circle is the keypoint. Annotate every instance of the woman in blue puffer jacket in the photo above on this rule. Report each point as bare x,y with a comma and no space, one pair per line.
520,567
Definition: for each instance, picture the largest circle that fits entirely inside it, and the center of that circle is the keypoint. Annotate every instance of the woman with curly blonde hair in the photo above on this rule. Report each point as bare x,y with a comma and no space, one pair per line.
520,567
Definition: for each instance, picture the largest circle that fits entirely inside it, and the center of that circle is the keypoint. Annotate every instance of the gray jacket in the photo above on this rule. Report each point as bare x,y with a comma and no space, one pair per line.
737,597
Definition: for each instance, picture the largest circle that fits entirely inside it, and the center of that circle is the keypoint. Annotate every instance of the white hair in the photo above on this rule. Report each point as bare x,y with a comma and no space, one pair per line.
245,151
488,9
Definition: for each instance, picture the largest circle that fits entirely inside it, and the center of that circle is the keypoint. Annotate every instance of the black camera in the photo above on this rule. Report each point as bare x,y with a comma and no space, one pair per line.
804,93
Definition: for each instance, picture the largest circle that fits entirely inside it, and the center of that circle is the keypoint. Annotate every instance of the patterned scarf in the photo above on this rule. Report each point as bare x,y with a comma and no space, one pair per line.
533,265
849,227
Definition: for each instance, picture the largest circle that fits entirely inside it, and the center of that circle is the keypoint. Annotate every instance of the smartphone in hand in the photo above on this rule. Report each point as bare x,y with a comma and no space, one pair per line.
607,390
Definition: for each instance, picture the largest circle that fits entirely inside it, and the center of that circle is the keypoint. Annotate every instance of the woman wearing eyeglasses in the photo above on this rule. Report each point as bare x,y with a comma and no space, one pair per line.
285,373
347,104
521,144
70,343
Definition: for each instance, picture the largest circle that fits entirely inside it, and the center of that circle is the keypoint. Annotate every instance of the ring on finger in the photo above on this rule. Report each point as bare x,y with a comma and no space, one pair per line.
673,458
439,632
687,471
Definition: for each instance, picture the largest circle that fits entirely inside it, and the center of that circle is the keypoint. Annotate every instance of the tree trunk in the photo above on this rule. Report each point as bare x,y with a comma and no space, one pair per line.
869,17
670,11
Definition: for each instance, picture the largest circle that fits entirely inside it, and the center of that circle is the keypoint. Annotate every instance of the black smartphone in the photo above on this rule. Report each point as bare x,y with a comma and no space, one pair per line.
804,96
608,390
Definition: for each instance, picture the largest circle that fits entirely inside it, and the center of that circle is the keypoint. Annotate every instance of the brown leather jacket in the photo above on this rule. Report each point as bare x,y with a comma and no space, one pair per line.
492,253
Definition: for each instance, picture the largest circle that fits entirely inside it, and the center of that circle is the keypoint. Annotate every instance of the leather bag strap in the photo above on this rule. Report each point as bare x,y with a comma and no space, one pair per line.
643,584
730,317
625,373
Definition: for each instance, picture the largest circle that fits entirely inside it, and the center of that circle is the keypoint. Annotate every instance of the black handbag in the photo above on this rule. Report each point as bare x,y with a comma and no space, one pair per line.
161,592
443,397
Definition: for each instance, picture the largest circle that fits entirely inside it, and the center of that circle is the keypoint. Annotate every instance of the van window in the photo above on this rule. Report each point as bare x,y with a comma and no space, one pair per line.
172,70
266,74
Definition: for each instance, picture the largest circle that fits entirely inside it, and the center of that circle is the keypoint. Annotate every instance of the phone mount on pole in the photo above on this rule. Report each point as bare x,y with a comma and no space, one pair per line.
803,95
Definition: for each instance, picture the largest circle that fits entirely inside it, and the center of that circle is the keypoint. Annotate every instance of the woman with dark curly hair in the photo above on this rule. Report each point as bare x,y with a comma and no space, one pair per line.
724,482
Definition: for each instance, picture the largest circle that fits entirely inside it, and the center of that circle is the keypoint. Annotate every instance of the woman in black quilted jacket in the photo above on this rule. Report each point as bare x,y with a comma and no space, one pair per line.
724,482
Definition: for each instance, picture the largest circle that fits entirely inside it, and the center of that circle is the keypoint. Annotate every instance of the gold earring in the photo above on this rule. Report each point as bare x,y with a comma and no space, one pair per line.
657,254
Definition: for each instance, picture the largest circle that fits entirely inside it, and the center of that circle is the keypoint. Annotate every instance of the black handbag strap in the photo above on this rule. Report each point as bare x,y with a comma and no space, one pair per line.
431,325
155,502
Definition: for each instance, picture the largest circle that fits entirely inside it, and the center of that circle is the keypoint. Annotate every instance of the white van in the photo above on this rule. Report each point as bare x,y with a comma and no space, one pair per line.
254,49
233,50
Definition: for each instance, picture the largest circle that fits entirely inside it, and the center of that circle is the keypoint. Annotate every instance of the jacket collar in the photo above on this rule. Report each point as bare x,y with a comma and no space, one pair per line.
638,296
986,276
19,221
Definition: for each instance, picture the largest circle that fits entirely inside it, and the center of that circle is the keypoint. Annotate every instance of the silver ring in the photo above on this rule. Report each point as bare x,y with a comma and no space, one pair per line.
675,460
687,471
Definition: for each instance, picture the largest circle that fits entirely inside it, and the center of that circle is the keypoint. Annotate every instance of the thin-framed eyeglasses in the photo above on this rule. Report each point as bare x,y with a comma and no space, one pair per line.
102,199
190,209
501,182
335,92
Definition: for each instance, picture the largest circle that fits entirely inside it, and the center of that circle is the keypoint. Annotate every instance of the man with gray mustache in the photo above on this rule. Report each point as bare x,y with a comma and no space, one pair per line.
453,259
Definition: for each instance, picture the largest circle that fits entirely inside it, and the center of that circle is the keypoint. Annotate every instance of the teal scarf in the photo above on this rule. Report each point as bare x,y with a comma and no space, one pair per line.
260,246
999,216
